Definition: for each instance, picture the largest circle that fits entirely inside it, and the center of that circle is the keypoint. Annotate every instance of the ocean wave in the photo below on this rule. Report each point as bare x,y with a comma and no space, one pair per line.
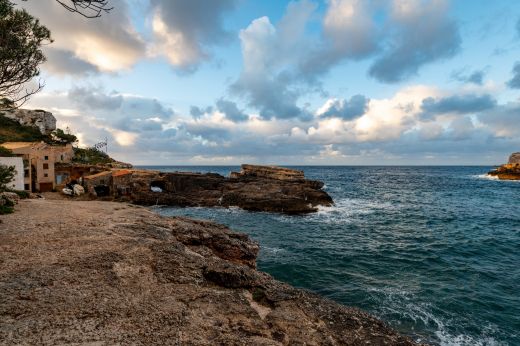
493,178
394,302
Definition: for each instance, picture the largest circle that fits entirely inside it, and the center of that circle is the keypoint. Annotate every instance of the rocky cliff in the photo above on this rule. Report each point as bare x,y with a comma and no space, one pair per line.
103,273
514,158
509,171
44,121
259,190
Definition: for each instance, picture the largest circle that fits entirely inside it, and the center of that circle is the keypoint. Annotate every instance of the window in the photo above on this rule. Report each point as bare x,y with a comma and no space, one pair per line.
26,187
46,158
45,166
61,157
46,175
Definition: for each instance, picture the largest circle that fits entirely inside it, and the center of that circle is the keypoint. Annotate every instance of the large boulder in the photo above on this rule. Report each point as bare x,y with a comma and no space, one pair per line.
40,119
514,158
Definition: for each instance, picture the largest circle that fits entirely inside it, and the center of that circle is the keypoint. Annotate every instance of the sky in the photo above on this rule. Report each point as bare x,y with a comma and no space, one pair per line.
332,82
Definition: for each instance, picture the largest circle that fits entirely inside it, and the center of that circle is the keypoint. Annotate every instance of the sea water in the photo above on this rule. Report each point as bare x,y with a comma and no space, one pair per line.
433,251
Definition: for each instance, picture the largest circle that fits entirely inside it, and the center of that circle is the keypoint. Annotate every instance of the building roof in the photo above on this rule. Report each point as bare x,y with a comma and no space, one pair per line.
98,175
121,172
18,145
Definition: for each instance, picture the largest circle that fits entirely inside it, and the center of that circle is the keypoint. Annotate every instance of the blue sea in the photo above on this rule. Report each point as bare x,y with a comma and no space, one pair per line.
433,251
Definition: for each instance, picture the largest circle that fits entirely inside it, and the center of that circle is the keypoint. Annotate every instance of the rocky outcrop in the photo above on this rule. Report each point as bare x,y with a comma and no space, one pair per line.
514,158
254,192
108,273
509,171
40,119
268,172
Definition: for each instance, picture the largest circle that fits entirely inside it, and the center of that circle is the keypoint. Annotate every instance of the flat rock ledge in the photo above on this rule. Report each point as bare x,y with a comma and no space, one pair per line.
105,273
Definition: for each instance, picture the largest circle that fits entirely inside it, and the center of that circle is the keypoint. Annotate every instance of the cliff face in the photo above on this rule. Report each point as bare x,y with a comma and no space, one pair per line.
111,273
44,121
260,190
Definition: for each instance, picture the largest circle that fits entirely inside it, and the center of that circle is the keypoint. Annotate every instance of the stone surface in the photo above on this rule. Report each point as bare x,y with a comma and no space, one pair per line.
509,171
254,193
105,273
269,172
514,158
44,121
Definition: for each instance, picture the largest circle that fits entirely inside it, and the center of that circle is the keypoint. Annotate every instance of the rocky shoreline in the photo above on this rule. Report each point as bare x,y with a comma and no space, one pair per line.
77,272
508,171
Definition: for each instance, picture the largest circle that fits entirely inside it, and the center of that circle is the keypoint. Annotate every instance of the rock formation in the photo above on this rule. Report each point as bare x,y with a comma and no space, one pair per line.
514,158
509,171
255,189
44,121
108,273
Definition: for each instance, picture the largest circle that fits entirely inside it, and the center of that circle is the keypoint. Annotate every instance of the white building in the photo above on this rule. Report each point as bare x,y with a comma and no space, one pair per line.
17,162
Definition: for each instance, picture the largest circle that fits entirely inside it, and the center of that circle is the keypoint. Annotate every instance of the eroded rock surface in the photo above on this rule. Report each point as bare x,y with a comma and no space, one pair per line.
514,158
274,190
509,171
44,121
109,273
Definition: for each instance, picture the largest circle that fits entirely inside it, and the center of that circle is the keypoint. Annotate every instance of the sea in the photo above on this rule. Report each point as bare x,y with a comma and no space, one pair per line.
432,251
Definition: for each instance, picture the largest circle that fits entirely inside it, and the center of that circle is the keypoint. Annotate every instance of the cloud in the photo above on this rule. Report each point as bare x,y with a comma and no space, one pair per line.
421,33
95,98
514,83
345,109
475,77
63,62
503,120
517,27
459,104
197,112
270,80
231,110
109,43
184,30
349,32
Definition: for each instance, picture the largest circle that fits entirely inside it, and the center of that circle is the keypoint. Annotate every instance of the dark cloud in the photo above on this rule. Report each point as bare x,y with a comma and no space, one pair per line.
231,110
426,36
61,61
462,104
514,83
475,77
185,29
197,112
95,99
347,109
504,120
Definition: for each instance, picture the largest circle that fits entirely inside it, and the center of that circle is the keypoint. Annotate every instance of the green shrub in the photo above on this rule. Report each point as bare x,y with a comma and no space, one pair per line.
21,193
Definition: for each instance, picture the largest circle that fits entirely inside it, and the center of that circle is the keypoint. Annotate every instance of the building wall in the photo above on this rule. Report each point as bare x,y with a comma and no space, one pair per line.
17,162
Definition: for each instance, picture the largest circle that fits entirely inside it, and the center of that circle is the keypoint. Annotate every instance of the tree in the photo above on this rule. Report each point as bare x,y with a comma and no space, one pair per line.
61,137
21,39
7,174
87,8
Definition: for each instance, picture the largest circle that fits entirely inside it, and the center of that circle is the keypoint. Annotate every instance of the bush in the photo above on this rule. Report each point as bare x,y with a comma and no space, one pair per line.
21,193
4,209
7,174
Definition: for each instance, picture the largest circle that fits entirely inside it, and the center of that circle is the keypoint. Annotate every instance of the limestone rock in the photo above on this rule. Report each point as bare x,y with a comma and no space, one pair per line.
269,172
291,194
43,120
112,274
509,171
514,158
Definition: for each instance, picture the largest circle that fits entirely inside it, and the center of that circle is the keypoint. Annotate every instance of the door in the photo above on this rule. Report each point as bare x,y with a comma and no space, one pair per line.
46,187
